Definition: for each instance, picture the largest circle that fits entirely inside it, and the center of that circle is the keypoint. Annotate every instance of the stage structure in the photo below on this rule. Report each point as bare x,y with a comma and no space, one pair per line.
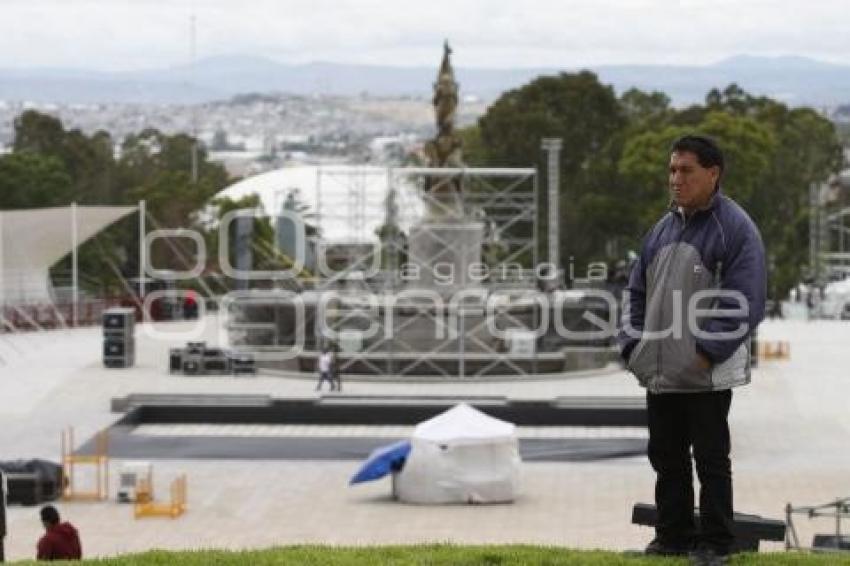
448,285
416,303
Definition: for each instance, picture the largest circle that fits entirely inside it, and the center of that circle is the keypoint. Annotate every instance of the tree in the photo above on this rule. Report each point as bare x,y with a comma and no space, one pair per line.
586,115
87,159
32,180
38,133
643,109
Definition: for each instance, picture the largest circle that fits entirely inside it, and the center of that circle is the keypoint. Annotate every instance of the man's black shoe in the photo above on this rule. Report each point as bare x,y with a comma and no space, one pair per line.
708,557
660,548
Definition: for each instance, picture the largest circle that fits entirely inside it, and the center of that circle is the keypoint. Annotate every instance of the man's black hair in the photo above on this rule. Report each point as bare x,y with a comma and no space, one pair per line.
50,515
706,149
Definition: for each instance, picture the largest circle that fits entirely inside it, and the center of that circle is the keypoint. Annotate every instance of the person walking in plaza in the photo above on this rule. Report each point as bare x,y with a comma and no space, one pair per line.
695,295
325,364
60,541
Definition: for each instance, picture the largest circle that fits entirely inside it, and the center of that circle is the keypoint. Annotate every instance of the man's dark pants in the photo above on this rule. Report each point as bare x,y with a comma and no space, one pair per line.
677,422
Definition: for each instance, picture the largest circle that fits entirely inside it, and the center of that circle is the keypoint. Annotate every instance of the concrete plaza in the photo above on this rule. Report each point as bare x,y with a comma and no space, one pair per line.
791,442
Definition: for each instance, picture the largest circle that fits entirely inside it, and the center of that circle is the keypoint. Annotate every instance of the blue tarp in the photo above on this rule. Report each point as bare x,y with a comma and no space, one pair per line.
382,461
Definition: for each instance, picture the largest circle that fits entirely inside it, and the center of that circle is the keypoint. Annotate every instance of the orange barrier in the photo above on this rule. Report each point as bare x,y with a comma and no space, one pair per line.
146,507
70,462
775,350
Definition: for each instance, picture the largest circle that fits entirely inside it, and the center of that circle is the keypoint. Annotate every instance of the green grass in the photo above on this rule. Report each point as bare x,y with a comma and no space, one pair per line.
426,555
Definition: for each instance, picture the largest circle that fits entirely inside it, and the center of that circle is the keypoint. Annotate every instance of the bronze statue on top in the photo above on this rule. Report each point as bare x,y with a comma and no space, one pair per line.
445,149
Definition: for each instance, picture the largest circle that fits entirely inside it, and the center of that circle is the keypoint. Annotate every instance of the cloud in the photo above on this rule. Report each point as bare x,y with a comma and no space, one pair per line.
112,34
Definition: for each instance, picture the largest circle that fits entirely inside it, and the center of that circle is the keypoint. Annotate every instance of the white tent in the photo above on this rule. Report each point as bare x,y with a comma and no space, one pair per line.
32,240
835,296
461,456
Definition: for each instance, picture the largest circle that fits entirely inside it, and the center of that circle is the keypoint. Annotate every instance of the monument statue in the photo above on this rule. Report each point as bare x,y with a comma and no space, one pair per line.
449,238
445,150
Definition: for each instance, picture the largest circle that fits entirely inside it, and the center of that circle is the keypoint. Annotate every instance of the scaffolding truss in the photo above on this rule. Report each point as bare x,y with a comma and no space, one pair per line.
505,201
837,541
504,198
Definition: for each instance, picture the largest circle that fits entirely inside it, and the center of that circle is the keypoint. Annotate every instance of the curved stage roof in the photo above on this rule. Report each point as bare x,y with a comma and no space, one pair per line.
349,201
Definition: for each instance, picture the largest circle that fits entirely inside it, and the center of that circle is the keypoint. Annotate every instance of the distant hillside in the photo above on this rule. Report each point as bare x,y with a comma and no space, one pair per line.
796,80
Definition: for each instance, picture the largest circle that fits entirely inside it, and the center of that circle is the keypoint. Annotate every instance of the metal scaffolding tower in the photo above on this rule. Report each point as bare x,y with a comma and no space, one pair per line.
552,147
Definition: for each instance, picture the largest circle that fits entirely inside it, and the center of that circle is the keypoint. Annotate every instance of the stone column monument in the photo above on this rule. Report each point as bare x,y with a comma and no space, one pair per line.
448,239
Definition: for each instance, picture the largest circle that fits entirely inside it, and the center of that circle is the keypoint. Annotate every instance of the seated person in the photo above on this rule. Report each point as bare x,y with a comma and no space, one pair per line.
60,541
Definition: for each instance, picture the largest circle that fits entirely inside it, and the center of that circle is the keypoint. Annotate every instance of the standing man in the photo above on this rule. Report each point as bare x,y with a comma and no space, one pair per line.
60,540
337,379
325,368
694,297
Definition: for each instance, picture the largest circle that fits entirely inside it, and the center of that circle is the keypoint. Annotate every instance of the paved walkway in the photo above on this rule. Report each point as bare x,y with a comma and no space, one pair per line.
790,443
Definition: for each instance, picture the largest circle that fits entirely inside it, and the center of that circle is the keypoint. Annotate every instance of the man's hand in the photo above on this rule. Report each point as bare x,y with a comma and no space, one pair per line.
703,363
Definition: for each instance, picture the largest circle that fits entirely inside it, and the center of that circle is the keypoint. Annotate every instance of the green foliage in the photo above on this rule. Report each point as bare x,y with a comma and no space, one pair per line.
87,159
587,116
38,133
843,130
158,167
32,180
439,554
574,107
644,109
474,150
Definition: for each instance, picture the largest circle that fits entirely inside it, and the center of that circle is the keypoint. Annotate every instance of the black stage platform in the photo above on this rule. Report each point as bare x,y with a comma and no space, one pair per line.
342,409
359,410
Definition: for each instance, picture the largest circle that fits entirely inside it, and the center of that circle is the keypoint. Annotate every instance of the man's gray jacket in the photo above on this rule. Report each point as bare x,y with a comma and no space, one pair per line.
698,287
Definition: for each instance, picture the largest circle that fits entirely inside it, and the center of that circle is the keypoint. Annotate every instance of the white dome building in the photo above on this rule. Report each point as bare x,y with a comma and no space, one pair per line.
348,202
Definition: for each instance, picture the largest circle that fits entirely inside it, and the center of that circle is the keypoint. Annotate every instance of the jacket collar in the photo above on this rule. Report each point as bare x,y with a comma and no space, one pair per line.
711,205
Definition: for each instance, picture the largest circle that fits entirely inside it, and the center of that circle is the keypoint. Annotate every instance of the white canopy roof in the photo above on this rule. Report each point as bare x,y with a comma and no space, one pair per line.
31,240
349,201
464,424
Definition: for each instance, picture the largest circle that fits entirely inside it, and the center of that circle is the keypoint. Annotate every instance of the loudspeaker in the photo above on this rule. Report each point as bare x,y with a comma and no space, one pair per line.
196,347
119,345
175,360
192,363
215,361
197,359
242,363
119,320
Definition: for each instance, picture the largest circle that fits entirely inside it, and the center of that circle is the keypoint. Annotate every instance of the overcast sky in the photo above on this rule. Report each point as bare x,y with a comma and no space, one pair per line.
135,34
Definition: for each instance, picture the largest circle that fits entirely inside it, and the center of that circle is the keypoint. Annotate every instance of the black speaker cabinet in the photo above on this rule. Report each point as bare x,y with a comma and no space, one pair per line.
31,482
175,360
192,364
243,364
117,347
119,320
